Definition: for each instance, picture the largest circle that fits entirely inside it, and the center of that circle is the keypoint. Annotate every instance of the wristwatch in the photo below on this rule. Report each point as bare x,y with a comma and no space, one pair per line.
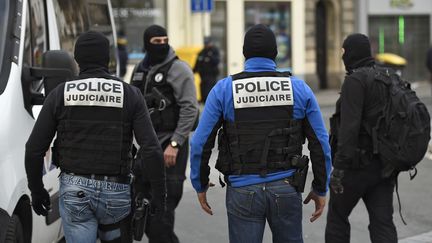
174,144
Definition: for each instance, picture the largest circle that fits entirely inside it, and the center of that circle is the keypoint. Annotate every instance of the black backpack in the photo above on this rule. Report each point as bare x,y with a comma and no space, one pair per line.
402,131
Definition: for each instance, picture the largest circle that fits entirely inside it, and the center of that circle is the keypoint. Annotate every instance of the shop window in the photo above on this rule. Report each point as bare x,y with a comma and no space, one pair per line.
277,16
218,34
406,36
132,17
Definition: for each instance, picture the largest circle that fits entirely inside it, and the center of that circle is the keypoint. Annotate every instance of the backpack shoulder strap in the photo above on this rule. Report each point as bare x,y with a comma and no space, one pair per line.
371,129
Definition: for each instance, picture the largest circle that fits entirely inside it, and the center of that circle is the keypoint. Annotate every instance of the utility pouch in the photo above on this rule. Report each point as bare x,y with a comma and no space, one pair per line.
55,156
139,219
301,163
224,158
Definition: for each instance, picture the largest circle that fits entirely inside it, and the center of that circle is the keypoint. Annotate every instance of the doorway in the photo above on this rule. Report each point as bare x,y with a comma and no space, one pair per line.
321,43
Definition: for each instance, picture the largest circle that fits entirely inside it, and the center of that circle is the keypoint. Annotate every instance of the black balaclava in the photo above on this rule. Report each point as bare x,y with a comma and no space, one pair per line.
156,52
92,50
260,41
357,51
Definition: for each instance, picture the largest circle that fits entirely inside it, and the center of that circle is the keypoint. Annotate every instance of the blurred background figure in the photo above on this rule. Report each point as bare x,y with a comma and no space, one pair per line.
429,63
122,53
207,67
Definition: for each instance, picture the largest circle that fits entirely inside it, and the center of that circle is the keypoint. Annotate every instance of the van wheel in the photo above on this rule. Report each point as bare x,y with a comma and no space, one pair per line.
14,232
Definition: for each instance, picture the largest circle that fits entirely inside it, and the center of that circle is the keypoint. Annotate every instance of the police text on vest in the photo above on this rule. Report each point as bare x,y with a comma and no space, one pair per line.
94,92
262,91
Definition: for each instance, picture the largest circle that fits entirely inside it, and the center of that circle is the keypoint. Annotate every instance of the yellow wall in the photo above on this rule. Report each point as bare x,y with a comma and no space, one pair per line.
189,55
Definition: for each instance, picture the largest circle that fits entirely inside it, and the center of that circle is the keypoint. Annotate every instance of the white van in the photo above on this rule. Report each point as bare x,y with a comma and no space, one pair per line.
29,29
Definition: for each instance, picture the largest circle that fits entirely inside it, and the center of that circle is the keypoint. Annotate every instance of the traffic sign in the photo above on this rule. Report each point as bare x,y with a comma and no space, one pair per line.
201,5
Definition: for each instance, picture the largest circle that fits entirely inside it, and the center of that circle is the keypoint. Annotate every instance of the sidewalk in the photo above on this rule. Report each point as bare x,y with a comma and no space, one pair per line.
329,97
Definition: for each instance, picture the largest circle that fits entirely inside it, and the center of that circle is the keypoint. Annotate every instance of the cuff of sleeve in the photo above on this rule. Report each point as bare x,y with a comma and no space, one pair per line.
178,138
321,194
201,189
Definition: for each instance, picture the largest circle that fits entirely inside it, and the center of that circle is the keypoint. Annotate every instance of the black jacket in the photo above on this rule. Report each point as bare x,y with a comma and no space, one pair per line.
208,61
360,95
134,112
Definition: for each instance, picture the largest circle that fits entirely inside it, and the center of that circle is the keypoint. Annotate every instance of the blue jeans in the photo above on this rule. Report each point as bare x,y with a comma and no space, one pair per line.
85,204
249,207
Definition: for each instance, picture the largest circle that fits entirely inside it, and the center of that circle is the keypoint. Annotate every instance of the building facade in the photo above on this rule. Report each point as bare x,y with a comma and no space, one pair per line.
402,27
309,33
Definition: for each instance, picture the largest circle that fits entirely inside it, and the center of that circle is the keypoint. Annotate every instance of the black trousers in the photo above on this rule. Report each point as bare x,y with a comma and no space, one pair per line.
207,83
376,193
161,229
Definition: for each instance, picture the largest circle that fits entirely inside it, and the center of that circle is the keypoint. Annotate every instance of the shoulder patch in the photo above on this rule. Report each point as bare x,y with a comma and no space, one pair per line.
158,77
94,92
138,76
262,91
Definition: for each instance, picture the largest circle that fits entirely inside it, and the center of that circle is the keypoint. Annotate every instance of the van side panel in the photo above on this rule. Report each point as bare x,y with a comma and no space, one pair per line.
4,221
15,125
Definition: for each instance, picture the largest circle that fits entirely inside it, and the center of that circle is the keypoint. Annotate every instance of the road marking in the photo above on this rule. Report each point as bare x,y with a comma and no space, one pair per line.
422,238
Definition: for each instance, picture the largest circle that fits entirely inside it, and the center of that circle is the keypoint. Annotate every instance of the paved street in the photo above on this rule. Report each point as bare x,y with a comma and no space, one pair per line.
194,226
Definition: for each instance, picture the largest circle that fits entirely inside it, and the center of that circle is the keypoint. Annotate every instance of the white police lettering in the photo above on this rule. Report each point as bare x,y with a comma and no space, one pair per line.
262,91
94,92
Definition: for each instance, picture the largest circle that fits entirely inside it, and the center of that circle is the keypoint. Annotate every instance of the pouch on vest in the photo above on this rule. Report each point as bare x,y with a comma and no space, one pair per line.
224,159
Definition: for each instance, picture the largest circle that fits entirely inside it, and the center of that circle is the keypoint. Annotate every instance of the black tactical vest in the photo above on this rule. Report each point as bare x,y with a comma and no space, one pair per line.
159,96
264,136
94,139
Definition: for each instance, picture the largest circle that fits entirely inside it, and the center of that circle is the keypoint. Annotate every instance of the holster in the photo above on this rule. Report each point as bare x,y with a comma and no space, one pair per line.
298,180
141,211
55,156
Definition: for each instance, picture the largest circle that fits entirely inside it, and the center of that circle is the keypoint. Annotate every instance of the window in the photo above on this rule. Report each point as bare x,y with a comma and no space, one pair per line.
218,33
406,36
277,16
35,42
78,16
99,15
132,17
72,20
3,19
5,29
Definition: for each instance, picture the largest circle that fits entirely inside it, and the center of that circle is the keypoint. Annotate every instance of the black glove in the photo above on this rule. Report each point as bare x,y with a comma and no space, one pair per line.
336,181
41,202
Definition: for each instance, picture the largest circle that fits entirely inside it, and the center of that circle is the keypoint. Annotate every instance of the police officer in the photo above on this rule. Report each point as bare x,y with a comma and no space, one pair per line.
357,171
95,118
207,67
168,87
265,116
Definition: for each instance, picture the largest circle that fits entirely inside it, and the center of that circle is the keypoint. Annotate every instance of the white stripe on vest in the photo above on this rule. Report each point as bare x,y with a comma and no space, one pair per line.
262,91
94,92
